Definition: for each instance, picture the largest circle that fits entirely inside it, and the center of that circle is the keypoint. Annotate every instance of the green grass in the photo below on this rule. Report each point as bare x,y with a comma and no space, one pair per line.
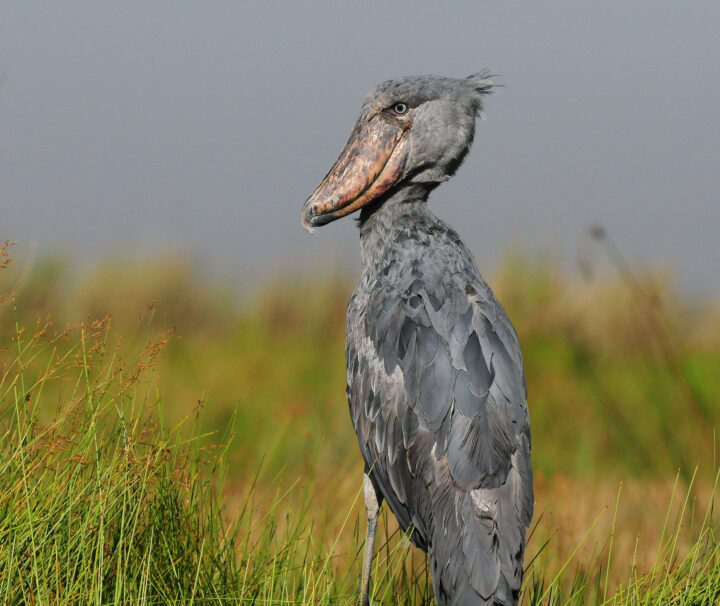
104,505
197,450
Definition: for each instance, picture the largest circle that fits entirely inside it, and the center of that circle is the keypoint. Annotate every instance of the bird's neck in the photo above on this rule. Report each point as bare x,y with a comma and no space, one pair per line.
379,223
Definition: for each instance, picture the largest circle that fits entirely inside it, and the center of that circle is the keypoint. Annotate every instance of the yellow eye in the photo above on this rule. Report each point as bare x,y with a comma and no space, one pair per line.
400,108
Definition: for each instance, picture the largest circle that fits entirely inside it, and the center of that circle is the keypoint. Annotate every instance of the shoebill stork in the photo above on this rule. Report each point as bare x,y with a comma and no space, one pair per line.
435,379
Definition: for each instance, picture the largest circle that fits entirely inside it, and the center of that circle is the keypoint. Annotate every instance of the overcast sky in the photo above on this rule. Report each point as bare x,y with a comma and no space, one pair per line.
130,128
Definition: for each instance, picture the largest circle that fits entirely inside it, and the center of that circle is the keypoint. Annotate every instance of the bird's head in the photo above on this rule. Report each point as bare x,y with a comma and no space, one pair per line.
416,129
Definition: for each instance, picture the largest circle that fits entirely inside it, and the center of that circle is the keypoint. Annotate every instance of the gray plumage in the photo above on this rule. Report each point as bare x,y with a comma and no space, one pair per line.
435,381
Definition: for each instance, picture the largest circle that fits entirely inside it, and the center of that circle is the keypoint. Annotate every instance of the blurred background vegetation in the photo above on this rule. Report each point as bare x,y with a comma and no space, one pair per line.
622,377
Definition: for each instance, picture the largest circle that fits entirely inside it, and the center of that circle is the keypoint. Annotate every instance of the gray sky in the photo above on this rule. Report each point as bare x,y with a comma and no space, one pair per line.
134,127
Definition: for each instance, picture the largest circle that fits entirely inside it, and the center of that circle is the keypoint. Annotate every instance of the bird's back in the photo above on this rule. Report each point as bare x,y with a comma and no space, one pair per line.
438,400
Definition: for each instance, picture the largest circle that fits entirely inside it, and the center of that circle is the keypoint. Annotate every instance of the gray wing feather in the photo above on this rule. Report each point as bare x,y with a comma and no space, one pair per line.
438,399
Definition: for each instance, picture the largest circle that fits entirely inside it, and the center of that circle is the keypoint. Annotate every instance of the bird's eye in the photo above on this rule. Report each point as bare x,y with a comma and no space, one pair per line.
400,108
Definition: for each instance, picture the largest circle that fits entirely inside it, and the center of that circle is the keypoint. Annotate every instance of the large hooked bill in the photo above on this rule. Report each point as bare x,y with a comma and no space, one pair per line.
371,163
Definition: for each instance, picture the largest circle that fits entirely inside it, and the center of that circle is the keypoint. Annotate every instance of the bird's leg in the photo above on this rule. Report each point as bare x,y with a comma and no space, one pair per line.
372,506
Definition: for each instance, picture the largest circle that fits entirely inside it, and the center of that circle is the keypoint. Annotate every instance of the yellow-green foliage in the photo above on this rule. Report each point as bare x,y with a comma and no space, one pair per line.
622,378
622,381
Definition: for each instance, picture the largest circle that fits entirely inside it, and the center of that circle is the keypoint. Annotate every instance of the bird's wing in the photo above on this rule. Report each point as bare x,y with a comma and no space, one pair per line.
436,386
461,372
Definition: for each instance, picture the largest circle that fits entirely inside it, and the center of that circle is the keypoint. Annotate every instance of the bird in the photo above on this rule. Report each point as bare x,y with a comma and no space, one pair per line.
435,381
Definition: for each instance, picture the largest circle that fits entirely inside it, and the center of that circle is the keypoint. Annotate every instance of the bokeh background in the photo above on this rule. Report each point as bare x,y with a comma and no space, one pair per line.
133,128
154,158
